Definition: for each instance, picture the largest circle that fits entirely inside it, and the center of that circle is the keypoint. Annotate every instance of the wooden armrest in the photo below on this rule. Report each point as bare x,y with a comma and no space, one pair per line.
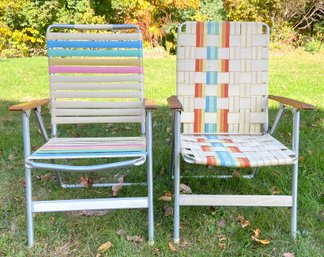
174,103
291,102
29,105
149,104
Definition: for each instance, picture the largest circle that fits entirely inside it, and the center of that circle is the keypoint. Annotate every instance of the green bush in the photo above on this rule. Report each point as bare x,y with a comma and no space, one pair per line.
314,45
24,23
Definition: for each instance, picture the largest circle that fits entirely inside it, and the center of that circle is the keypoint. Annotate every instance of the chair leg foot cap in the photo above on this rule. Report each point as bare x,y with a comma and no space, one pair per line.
151,242
176,241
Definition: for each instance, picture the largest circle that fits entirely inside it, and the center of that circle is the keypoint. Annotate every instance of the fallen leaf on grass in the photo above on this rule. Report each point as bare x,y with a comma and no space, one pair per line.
34,148
257,233
136,239
288,255
185,189
221,238
256,236
120,232
321,215
45,177
116,188
275,191
244,222
162,171
221,223
236,174
23,182
262,241
104,247
156,251
168,210
184,243
172,247
221,245
86,181
212,209
167,197
11,157
120,178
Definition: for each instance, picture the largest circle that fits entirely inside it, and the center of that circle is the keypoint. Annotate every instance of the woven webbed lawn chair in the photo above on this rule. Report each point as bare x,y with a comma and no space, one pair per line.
96,76
221,111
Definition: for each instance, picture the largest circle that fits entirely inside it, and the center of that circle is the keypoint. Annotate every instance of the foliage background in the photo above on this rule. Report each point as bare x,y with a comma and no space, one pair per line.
23,23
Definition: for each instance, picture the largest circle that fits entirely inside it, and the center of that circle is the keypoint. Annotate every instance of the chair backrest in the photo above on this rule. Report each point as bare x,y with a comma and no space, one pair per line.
96,74
222,76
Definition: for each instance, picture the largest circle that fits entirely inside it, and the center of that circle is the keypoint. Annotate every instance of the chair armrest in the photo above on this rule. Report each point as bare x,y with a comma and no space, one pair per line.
149,104
174,103
29,105
293,103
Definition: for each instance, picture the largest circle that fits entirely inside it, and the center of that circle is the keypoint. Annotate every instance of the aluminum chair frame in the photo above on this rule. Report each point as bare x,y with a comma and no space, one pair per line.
235,200
33,206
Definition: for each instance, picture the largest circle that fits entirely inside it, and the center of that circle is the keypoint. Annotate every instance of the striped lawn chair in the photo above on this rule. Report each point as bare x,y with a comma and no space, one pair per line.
96,76
222,105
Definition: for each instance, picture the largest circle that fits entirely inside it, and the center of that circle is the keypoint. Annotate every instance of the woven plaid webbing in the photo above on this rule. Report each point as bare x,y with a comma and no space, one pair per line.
222,76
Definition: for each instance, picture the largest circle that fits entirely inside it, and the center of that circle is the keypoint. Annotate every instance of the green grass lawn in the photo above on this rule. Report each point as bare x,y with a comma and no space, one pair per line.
298,76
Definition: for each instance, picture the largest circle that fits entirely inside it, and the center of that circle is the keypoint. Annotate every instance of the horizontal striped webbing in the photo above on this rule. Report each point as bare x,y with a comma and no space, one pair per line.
235,150
78,148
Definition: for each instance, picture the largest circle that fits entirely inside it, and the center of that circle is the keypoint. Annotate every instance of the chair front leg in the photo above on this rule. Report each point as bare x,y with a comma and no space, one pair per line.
150,175
28,180
176,169
295,148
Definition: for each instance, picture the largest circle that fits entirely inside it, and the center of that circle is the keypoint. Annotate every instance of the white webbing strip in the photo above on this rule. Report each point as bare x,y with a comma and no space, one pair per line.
76,79
95,86
88,104
97,112
57,94
97,119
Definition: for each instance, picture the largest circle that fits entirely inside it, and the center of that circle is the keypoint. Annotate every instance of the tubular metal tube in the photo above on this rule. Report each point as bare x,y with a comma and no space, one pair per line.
171,162
176,236
98,167
28,181
40,123
278,119
295,147
149,175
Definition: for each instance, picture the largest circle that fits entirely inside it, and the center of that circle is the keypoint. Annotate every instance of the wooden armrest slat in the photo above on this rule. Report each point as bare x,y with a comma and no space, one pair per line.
174,103
29,105
149,104
292,102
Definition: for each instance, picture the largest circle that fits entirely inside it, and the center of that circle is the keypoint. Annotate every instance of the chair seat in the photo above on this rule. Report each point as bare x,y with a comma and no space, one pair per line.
77,148
235,150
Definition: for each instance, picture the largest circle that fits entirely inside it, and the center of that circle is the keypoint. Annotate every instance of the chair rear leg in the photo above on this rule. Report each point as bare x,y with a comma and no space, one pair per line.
29,212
